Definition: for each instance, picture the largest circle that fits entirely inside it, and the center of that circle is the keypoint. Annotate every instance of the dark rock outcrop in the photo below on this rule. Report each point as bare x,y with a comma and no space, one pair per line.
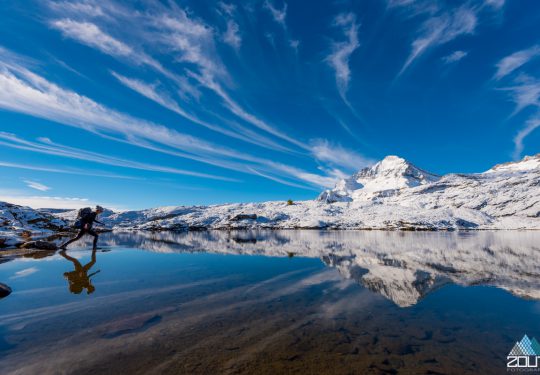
42,245
244,217
4,290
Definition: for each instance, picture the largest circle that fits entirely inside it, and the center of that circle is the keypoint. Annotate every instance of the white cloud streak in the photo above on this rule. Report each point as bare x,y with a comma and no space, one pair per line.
232,36
91,35
531,125
191,40
77,8
259,166
514,61
279,180
152,92
38,168
193,43
454,57
46,146
279,15
339,156
441,29
163,29
36,185
25,92
495,4
525,93
226,8
342,51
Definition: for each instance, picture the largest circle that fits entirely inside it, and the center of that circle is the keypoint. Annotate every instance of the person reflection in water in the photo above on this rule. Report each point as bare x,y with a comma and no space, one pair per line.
79,278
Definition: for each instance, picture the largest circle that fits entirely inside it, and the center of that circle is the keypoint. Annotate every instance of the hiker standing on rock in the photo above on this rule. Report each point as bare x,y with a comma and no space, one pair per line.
85,221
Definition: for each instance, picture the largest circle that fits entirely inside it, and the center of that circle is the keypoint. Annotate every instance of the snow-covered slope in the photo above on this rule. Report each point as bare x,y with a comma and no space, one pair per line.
19,223
393,194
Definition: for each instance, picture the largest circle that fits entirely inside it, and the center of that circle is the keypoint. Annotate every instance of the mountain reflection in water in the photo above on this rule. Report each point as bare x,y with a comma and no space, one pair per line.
402,266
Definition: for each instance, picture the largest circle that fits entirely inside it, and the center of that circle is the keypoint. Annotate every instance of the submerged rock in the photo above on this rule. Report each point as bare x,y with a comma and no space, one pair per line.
42,245
4,290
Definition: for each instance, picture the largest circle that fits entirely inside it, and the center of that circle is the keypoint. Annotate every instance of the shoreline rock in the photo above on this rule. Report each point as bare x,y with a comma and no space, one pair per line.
4,290
41,245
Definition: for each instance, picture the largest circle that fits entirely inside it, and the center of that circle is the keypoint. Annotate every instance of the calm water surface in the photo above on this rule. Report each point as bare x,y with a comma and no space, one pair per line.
272,302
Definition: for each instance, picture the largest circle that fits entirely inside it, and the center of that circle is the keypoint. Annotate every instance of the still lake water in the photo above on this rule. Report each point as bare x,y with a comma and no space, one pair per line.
273,302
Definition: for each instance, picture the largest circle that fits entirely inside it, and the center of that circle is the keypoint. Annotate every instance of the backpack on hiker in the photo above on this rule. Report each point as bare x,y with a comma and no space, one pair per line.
81,215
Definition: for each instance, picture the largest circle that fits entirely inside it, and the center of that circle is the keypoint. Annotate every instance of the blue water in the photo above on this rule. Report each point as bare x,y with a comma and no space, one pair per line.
272,302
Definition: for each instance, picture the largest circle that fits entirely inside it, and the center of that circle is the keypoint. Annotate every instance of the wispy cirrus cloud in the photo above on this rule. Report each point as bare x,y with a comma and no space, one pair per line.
169,29
524,92
530,125
279,15
454,57
192,42
516,60
342,51
152,92
442,28
36,185
275,171
77,8
25,92
523,89
189,43
496,4
91,35
46,146
226,8
39,168
338,155
414,8
312,178
232,36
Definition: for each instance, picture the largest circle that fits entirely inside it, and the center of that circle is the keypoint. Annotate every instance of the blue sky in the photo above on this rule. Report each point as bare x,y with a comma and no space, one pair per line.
139,104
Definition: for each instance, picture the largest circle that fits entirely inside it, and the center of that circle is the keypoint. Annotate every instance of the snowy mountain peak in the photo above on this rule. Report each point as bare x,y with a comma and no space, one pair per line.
389,164
526,164
384,178
394,166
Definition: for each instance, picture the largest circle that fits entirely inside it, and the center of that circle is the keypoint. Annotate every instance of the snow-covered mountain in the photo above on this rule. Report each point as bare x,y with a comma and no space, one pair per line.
385,178
392,194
